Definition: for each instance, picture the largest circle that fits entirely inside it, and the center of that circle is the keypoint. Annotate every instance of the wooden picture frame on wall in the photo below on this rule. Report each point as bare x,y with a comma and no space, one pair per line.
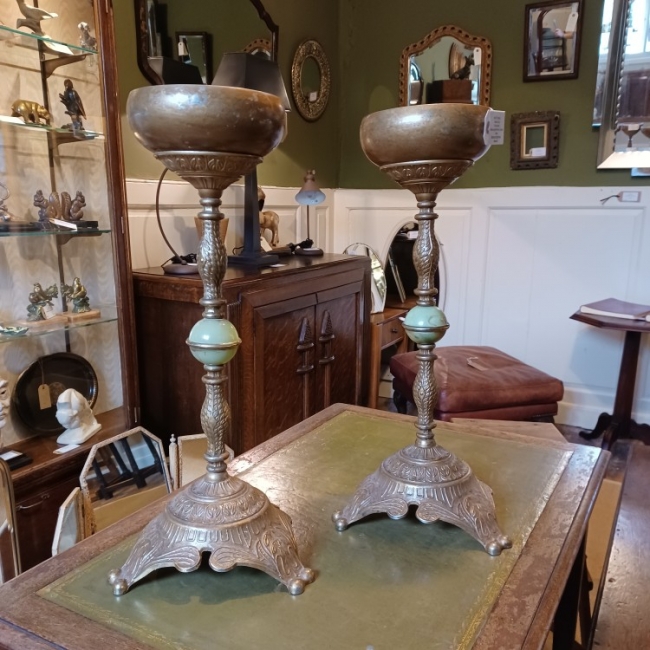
534,140
552,40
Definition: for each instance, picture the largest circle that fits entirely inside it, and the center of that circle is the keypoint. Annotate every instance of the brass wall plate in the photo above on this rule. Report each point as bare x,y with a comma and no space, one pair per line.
310,108
534,140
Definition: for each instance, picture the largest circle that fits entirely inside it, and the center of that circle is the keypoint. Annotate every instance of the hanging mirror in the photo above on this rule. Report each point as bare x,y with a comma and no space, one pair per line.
310,80
195,48
378,287
122,475
156,22
447,65
622,102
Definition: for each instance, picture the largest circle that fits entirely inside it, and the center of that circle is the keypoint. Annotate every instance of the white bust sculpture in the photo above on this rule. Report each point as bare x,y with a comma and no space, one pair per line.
73,412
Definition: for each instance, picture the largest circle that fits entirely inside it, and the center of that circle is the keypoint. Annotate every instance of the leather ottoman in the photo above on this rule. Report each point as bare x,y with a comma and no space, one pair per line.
480,382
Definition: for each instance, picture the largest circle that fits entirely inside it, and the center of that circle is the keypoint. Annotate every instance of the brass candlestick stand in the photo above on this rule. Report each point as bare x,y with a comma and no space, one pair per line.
211,136
425,149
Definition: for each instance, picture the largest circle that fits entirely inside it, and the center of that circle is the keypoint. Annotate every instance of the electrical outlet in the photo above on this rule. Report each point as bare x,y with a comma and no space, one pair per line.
629,197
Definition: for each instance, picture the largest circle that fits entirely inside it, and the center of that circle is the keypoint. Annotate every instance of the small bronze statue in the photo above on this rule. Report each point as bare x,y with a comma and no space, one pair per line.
74,106
31,112
41,302
78,295
270,220
60,206
33,17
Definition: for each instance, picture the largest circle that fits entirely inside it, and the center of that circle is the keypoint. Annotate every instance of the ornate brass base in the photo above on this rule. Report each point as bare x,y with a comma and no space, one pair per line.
226,517
441,485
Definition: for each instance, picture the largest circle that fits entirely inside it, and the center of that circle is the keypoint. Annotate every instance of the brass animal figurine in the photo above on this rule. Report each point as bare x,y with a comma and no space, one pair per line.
60,206
270,220
78,295
39,300
31,112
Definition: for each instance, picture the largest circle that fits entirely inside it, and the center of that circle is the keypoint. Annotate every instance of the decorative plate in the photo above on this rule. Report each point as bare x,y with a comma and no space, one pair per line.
59,371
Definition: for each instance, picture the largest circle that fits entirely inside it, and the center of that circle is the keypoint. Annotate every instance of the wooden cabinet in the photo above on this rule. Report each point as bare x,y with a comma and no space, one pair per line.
304,331
42,486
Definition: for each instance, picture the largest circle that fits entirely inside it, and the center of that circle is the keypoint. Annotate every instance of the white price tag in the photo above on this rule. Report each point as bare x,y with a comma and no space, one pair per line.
478,53
8,455
494,127
313,97
48,311
537,152
66,449
571,23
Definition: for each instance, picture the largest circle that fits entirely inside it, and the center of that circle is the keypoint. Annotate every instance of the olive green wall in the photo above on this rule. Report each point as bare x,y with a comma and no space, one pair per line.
308,144
372,34
363,40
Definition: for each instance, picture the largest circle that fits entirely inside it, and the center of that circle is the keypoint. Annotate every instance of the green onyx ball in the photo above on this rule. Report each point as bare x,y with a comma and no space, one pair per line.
425,325
219,337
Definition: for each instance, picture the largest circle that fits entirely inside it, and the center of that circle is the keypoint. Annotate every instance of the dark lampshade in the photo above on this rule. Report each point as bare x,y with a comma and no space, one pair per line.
244,70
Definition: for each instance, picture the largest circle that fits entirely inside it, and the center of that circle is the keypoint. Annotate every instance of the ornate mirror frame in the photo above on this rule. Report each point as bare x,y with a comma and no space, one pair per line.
142,37
431,39
259,45
519,123
310,111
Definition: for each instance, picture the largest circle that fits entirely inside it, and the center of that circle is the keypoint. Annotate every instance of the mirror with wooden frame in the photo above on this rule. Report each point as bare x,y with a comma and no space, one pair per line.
121,475
447,65
534,140
157,56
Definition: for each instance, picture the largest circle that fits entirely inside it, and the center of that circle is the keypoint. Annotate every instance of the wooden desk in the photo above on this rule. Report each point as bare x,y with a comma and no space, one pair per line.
620,423
385,330
368,588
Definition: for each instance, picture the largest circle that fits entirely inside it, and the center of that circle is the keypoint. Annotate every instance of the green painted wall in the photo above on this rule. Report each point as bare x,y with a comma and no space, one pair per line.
308,144
363,40
372,35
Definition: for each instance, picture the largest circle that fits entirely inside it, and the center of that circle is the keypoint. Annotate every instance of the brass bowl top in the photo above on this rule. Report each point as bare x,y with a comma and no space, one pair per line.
424,132
188,117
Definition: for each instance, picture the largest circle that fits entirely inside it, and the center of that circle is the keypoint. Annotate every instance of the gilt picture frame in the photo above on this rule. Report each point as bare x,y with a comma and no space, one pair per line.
552,40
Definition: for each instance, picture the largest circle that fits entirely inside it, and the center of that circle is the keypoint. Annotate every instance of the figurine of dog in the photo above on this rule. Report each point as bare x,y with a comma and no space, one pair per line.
31,112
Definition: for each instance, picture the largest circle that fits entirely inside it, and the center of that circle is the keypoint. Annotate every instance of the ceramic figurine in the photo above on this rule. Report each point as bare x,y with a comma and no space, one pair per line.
60,206
5,215
73,104
86,39
78,295
31,112
33,17
74,413
41,302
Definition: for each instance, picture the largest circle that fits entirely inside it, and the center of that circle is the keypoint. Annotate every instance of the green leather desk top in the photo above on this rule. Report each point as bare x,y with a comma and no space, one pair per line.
381,584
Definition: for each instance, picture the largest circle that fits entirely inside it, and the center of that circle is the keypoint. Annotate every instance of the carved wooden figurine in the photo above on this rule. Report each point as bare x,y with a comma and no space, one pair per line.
33,17
60,206
31,112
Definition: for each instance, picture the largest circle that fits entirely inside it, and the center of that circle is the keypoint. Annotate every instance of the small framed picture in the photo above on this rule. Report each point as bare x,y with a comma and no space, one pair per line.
552,40
534,140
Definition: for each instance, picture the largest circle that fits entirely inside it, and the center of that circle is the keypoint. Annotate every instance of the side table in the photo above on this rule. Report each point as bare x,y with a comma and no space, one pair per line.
620,423
385,330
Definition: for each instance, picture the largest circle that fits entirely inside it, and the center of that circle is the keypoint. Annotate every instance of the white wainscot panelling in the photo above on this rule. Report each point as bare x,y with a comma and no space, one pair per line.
179,205
516,263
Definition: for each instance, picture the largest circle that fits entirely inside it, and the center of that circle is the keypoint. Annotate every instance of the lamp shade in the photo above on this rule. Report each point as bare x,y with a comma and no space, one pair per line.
244,70
310,193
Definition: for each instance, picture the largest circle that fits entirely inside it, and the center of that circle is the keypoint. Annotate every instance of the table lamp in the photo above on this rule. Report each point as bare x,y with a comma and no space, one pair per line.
243,70
309,194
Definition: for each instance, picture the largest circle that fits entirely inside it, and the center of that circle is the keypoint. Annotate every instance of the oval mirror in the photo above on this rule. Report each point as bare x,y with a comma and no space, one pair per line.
310,80
447,65
378,287
121,475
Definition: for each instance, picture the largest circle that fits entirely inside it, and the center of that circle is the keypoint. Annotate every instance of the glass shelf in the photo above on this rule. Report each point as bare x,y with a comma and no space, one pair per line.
62,135
29,39
108,315
87,232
